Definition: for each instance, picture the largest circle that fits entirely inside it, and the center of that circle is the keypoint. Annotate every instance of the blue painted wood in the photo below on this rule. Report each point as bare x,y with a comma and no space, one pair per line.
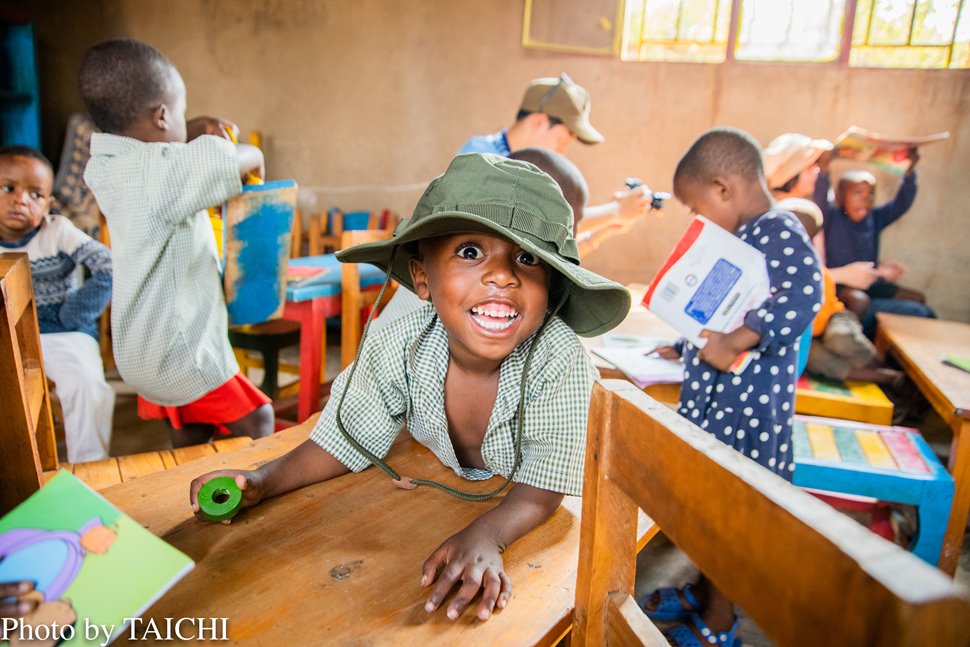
327,283
931,493
19,86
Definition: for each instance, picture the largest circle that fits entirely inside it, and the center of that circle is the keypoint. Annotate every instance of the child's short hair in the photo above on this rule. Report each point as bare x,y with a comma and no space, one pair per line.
26,151
721,152
857,176
119,79
566,174
807,212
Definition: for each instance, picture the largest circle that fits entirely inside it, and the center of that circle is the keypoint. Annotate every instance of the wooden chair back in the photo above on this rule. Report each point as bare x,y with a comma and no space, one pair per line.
27,429
326,229
353,299
805,573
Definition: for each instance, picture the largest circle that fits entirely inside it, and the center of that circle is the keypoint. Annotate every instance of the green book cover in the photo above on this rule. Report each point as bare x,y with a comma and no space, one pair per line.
962,363
93,567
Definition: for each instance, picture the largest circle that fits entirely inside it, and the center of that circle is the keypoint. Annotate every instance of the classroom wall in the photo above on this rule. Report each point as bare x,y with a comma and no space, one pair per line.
364,101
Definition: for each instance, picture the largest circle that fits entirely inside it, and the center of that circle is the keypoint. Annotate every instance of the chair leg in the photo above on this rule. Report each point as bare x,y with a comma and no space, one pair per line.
270,385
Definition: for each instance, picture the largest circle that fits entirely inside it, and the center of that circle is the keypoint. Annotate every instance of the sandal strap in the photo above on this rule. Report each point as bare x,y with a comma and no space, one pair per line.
716,638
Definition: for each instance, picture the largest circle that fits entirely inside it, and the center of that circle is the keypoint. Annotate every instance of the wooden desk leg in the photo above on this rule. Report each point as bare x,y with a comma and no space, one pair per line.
959,467
311,317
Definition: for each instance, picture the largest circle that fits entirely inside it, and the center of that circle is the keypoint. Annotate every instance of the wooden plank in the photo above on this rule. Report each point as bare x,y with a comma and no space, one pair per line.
876,452
168,459
702,492
823,442
135,465
626,624
231,444
99,474
904,452
20,462
358,543
848,444
184,455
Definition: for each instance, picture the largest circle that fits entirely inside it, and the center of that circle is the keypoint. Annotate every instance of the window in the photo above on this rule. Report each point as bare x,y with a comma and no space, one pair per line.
885,33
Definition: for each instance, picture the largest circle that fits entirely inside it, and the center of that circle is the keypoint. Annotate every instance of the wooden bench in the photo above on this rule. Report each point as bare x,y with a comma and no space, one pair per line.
806,574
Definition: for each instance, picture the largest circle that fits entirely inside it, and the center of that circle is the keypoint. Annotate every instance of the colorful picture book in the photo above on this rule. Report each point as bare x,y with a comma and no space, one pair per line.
92,566
257,229
633,356
710,280
888,153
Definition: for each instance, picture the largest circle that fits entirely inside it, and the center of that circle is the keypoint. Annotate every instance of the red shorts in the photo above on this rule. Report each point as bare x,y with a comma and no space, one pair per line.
233,400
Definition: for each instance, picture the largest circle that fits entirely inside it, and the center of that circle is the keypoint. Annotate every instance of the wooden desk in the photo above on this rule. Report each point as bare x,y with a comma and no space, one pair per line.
919,344
310,304
339,562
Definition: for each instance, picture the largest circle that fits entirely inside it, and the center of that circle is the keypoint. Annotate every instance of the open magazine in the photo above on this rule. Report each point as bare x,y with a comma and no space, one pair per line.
94,569
888,153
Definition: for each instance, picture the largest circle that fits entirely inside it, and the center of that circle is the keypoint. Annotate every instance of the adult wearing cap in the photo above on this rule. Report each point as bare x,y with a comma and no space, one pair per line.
792,164
555,112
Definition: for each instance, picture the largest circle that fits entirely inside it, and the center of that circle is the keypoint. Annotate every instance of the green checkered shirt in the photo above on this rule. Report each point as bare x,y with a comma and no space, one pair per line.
168,312
401,377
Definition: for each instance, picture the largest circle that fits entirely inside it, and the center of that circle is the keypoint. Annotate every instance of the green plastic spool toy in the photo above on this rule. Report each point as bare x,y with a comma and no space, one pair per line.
220,498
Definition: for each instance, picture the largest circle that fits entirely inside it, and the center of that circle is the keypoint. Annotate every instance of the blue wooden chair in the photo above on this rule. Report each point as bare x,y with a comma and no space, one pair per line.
887,463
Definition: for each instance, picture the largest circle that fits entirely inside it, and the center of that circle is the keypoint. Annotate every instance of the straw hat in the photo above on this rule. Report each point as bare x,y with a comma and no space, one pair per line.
789,154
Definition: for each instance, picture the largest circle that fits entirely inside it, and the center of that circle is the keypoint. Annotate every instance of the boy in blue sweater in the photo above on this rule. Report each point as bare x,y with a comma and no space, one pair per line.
67,314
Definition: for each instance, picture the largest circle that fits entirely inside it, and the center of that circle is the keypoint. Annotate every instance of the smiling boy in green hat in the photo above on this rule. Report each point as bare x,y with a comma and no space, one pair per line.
489,375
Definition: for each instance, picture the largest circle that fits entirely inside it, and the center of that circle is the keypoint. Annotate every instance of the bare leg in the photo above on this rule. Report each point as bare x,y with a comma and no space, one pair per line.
719,612
855,300
257,424
881,376
191,434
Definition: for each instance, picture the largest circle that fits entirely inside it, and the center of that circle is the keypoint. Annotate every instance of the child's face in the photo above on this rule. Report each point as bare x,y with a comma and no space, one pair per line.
25,193
856,199
711,201
490,294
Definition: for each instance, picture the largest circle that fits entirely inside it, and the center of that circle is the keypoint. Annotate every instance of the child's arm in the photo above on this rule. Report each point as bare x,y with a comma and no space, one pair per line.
473,556
250,157
722,349
83,306
308,463
885,215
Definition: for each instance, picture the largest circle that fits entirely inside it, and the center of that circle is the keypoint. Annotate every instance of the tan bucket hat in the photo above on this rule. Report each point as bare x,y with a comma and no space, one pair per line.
789,154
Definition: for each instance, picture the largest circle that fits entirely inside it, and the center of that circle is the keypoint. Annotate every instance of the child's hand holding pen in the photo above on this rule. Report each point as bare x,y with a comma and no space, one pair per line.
665,351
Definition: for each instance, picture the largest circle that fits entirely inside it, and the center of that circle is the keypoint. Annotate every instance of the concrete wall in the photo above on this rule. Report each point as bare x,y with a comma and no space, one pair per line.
363,101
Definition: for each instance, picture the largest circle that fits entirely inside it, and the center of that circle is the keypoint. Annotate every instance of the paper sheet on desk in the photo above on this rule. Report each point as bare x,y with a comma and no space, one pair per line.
710,281
630,355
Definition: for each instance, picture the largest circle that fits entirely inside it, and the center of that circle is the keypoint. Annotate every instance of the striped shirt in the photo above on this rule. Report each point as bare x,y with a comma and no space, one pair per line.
401,377
168,314
56,248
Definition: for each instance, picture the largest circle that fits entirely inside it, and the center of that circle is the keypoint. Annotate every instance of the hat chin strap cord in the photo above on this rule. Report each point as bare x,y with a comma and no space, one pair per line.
406,482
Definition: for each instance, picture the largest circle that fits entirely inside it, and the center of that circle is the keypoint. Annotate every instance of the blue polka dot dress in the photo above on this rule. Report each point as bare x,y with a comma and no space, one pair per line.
753,411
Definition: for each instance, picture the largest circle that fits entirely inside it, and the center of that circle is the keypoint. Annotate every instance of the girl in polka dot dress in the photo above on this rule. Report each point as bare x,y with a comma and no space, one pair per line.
721,177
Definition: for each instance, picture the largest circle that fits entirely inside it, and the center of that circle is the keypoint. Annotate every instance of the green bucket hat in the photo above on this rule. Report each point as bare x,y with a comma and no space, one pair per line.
514,200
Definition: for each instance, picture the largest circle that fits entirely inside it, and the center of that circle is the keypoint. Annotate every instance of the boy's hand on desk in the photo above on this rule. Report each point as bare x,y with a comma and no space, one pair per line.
473,559
211,126
250,482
